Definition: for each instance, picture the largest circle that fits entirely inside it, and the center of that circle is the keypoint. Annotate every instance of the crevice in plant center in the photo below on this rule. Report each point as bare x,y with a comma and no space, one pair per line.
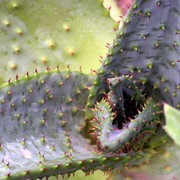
131,109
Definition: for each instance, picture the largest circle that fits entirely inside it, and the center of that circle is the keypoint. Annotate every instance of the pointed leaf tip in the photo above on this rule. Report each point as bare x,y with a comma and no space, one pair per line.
172,126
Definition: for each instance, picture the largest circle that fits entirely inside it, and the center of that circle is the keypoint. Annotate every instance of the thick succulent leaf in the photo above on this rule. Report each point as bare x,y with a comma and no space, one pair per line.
40,121
172,126
133,134
41,116
165,152
146,47
163,165
37,34
147,50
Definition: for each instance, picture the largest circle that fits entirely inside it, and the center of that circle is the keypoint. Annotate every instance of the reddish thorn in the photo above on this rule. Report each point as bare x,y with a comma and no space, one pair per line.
7,164
121,17
9,80
115,29
59,165
48,69
93,72
36,71
27,172
17,76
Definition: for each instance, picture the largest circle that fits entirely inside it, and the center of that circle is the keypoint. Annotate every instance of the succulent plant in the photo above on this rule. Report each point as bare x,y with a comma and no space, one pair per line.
47,33
128,54
57,122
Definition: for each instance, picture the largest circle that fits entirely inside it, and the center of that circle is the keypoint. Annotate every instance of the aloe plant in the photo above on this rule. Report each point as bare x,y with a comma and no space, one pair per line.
44,33
57,122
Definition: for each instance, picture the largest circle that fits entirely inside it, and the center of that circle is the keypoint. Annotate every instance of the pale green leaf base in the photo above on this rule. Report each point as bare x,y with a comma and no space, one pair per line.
172,126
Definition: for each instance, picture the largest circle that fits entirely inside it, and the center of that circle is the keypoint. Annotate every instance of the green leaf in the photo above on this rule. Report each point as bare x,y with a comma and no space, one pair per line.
172,126
163,164
37,34
40,121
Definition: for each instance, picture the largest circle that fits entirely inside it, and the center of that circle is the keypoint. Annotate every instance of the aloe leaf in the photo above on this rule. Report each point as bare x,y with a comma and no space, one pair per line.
163,165
172,126
37,34
41,116
132,134
40,119
146,48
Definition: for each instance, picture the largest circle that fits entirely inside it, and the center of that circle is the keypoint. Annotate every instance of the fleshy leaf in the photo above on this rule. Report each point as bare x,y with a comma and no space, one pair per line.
41,116
163,165
133,134
149,55
40,120
172,126
37,34
146,50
